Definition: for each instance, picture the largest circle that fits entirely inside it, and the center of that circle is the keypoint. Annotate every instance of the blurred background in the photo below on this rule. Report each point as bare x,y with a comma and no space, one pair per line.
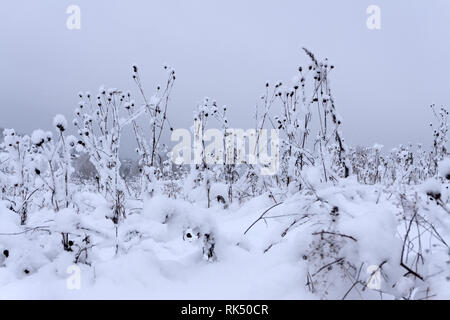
384,80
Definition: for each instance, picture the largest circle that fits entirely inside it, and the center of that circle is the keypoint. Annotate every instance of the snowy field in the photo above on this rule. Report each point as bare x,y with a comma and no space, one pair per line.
332,222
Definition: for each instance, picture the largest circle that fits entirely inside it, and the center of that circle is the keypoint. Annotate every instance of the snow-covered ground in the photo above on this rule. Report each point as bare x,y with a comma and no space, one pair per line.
157,253
332,222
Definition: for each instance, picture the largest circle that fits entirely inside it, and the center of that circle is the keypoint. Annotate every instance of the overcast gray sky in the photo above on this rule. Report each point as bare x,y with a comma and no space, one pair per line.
383,83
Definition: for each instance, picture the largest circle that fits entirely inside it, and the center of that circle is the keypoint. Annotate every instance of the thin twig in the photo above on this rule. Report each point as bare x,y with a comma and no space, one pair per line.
334,233
262,216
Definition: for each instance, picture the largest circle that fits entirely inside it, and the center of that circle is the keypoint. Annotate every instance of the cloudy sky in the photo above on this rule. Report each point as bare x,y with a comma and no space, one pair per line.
383,83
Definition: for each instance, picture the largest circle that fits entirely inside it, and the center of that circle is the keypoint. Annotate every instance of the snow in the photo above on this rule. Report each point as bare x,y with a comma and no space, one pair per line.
432,188
60,122
156,261
444,168
335,222
38,136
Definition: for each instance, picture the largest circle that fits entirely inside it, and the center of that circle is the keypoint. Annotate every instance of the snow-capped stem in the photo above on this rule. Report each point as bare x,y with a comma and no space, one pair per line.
156,110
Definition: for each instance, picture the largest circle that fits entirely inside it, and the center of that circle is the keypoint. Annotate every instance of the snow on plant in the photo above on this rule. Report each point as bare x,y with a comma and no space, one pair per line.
99,128
44,167
201,170
350,222
306,98
444,168
155,111
440,138
18,188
